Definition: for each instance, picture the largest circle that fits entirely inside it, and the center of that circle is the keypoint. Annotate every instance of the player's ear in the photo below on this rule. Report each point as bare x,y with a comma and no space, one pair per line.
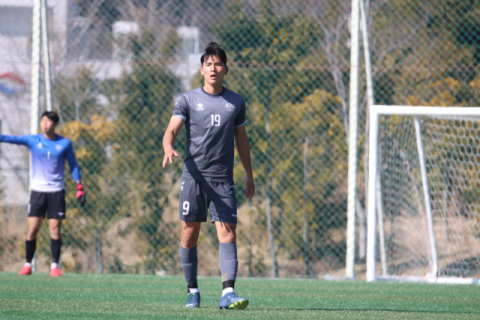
201,70
226,69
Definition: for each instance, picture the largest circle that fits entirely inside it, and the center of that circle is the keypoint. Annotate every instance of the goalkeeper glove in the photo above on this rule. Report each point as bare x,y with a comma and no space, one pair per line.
80,194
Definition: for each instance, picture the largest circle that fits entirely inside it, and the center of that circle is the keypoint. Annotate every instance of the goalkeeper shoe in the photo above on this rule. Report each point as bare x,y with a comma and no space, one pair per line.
232,301
193,300
26,271
55,272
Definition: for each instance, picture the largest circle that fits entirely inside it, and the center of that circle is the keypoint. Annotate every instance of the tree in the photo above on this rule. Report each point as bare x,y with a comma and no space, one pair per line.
268,49
76,96
144,111
91,142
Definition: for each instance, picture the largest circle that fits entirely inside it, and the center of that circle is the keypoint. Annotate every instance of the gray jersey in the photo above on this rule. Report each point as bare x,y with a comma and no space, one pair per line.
210,122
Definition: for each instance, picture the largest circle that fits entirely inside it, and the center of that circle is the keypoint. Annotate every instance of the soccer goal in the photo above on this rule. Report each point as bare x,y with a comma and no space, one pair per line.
424,194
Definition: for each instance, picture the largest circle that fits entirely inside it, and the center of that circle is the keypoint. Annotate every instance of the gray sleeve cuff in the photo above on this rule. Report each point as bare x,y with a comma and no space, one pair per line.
179,115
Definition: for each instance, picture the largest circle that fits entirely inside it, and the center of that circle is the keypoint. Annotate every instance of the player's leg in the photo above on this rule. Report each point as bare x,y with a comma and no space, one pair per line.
193,211
55,226
228,266
56,214
188,253
224,213
36,212
227,254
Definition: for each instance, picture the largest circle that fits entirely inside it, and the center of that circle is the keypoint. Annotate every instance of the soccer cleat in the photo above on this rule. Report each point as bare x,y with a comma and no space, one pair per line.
232,301
26,271
55,272
193,300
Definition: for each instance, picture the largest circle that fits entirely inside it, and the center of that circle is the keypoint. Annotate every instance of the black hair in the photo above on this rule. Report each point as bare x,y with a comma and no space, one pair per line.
213,49
51,115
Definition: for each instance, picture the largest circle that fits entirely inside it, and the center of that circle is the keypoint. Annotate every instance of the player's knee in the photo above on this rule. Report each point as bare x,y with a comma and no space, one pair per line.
227,238
32,233
55,232
188,242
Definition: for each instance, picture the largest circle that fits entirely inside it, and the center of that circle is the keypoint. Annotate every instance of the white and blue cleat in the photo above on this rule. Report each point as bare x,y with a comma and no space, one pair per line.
232,301
193,300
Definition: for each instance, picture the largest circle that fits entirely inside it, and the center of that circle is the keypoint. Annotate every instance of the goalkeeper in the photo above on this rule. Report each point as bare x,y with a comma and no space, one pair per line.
48,154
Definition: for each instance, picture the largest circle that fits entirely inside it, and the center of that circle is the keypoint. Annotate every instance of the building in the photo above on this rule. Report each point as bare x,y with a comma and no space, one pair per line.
77,39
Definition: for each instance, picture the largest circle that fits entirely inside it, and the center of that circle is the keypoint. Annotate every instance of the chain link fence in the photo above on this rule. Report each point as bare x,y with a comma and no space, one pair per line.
119,65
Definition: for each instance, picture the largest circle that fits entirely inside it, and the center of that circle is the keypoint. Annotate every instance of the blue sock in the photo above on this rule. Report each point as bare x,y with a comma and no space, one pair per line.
228,264
189,260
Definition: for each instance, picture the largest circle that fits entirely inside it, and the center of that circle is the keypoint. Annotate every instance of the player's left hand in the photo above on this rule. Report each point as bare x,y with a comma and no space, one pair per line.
249,191
80,194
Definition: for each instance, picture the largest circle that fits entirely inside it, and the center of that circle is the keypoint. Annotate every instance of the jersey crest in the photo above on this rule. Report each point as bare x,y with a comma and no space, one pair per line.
230,106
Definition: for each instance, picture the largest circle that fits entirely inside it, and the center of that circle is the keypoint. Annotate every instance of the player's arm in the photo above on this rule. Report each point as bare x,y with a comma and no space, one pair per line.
243,148
176,123
75,170
20,140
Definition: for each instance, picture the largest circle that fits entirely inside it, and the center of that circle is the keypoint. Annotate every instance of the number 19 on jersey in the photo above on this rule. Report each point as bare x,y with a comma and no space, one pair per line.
215,120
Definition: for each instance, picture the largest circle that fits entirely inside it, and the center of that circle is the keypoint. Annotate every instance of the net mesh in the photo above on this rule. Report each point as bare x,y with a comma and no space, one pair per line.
451,156
119,65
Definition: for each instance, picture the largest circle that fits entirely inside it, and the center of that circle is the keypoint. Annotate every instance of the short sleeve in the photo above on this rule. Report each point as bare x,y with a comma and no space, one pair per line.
240,118
181,108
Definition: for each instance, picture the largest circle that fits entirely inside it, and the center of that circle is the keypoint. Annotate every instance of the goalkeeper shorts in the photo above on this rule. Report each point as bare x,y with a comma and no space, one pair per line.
50,203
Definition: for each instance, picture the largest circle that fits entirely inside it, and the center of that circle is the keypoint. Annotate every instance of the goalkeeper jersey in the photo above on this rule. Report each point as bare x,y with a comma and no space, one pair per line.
210,122
48,160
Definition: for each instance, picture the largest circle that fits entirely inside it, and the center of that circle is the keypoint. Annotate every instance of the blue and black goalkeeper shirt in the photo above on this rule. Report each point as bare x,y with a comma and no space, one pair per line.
48,160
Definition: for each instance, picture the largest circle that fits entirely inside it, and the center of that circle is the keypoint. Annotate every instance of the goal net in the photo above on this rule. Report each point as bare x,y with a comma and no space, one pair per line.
424,194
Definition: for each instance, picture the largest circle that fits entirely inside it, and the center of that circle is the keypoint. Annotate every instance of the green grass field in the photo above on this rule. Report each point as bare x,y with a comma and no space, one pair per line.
153,297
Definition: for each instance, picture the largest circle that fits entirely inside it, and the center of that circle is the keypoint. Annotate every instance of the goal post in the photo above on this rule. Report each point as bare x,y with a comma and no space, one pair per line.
422,194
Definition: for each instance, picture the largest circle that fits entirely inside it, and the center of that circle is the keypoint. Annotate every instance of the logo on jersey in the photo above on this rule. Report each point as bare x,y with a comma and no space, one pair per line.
230,106
39,145
183,182
58,147
200,106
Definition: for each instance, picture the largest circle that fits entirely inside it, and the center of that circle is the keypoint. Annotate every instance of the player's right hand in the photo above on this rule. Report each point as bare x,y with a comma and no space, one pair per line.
169,155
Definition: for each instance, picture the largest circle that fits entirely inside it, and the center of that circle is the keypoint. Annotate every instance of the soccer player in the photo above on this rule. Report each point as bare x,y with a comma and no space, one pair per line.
214,118
48,151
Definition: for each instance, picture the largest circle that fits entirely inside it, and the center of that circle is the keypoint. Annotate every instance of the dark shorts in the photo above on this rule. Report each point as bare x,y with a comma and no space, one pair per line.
52,203
197,196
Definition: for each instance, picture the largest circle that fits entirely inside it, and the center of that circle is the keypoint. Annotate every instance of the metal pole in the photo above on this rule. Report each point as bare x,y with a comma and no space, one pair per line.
366,50
35,75
46,55
371,102
372,193
35,79
352,141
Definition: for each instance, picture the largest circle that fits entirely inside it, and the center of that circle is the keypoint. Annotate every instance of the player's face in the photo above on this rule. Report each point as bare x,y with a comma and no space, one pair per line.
213,70
47,125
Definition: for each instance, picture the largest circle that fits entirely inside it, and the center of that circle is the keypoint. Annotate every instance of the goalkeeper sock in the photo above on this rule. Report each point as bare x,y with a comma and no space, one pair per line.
30,247
55,245
228,265
189,260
